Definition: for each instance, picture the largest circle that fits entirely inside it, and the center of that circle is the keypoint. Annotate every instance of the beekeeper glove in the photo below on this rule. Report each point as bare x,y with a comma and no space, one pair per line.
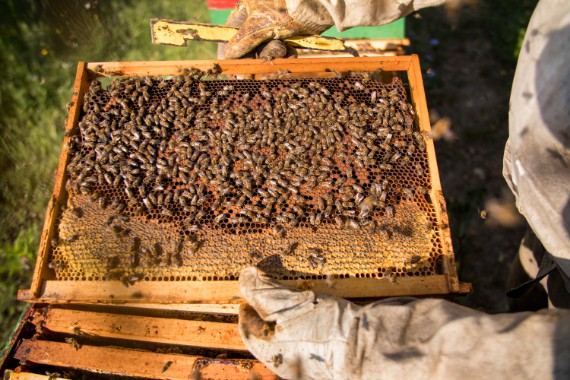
303,335
264,20
298,334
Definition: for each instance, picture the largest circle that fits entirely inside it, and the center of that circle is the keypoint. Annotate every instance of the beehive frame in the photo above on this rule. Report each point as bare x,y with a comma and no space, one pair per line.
45,289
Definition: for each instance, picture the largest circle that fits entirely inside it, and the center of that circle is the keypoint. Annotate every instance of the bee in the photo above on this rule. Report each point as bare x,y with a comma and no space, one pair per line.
351,224
324,90
315,258
399,143
71,238
318,219
220,218
76,346
166,366
389,212
291,249
395,157
359,85
415,259
339,222
56,265
279,231
121,231
113,262
408,193
419,170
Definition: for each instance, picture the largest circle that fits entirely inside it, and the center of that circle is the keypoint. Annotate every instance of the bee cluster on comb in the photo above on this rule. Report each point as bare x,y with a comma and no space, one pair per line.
177,170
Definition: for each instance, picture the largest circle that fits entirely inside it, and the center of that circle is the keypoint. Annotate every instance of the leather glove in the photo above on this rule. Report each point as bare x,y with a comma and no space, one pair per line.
298,334
261,21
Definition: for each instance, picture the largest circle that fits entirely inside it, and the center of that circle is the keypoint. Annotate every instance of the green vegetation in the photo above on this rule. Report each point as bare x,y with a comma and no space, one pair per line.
40,44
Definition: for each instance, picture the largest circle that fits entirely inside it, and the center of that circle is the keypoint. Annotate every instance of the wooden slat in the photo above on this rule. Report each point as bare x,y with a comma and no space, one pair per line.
144,329
59,196
203,308
253,66
119,361
420,104
11,375
228,291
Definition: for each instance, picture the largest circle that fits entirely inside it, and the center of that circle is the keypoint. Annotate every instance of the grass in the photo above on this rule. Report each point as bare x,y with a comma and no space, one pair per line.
40,44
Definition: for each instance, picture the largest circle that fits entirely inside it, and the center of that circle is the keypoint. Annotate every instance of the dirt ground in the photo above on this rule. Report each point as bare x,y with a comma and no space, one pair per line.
468,70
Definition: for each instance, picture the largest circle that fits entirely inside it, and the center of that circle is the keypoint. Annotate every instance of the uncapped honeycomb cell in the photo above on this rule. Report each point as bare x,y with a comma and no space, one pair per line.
195,178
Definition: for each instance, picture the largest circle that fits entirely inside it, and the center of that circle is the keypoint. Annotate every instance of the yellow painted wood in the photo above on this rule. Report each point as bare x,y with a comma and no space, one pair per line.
10,375
170,32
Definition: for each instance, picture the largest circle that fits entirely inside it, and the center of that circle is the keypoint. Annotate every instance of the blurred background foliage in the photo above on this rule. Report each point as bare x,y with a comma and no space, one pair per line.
42,40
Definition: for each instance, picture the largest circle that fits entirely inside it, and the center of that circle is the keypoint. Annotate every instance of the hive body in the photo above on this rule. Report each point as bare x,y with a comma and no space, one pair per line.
188,175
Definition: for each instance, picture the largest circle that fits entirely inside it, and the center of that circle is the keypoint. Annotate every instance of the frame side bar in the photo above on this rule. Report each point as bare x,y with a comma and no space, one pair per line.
40,271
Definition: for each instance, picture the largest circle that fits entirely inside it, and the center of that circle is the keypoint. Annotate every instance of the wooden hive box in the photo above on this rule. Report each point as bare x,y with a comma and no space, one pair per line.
88,224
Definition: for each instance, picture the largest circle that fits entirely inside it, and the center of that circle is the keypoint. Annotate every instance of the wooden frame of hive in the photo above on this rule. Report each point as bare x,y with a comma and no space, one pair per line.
45,289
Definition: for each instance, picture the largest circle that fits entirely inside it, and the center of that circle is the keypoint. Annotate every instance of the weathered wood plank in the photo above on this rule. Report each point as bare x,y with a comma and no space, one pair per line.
125,362
145,329
228,291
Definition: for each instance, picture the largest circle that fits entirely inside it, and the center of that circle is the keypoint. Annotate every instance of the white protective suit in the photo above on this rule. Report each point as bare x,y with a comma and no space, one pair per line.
300,334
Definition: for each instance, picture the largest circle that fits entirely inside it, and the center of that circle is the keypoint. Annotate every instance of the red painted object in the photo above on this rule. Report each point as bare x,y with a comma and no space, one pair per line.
221,4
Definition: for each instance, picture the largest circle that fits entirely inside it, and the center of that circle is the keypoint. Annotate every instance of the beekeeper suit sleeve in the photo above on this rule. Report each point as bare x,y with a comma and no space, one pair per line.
346,14
303,335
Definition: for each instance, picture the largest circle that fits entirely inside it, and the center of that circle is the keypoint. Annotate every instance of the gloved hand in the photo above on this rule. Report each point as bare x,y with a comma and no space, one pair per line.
265,20
303,335
298,334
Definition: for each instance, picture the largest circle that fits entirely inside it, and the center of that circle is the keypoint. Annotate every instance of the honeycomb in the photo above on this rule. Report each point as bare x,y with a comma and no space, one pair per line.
196,176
